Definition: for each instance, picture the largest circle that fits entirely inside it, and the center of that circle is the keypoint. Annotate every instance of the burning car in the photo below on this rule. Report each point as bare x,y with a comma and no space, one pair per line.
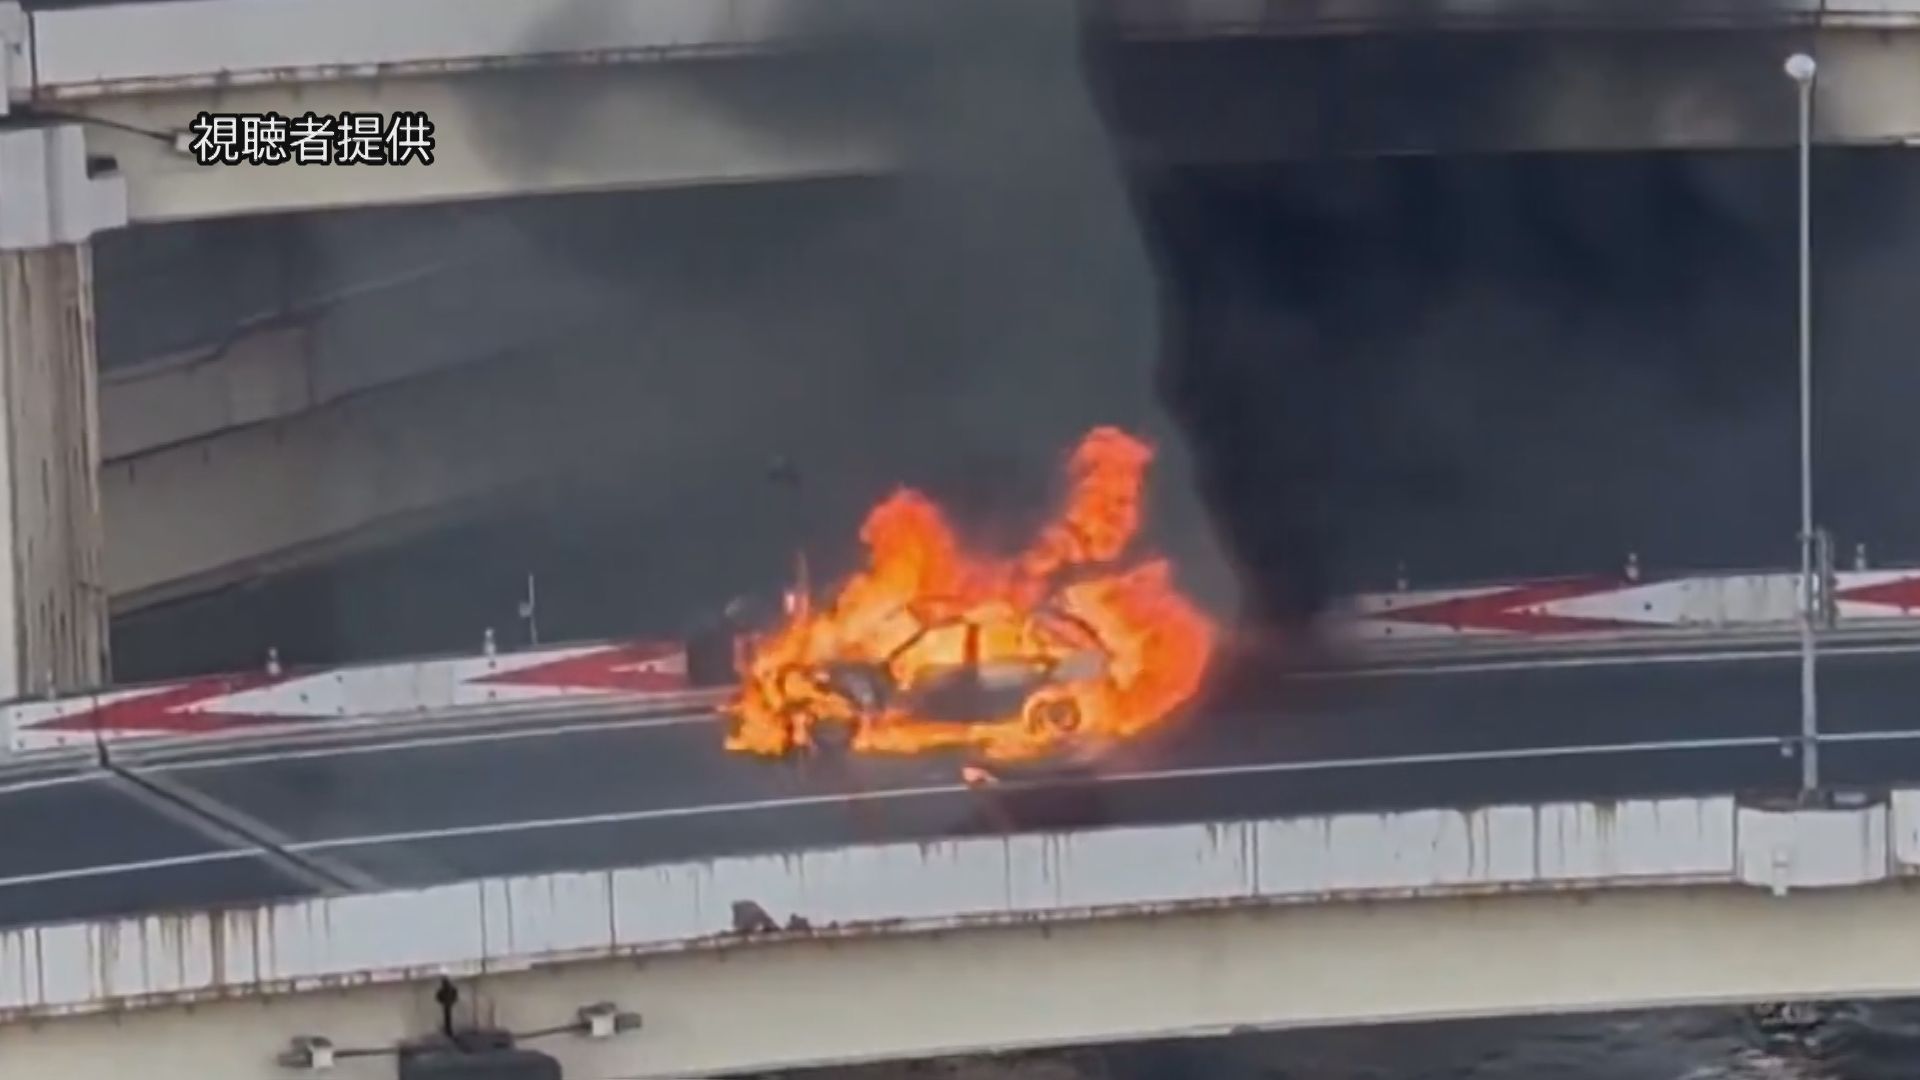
1064,647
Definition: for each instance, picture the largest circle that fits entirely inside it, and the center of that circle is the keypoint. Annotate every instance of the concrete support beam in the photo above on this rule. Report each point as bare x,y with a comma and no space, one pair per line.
52,631
53,601
373,334
140,47
1530,91
1277,18
712,85
534,131
260,377
367,466
749,119
206,513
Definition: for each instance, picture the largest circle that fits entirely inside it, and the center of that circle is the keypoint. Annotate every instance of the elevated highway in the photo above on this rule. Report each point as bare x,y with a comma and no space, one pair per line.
268,784
424,805
983,944
1391,753
302,854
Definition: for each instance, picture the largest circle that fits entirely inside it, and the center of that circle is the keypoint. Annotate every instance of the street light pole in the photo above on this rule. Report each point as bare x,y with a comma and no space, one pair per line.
1801,68
783,472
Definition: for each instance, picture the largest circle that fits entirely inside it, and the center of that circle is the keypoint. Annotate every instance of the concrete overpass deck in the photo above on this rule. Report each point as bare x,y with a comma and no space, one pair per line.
991,943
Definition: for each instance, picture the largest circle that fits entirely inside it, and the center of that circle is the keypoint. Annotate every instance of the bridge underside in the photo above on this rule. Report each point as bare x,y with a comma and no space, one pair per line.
502,134
1257,100
692,123
326,470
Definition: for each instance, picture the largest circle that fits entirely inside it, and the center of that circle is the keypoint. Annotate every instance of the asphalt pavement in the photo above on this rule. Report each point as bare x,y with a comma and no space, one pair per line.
221,823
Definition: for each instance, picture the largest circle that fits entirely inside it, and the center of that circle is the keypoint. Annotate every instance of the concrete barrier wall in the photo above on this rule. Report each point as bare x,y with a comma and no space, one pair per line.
1614,605
630,671
858,893
1568,612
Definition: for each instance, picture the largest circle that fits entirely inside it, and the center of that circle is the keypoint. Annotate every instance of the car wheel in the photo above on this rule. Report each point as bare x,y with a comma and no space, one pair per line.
1060,715
832,740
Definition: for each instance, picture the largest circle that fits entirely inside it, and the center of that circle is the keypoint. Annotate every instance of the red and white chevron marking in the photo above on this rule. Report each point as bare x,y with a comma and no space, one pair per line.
1878,594
1524,611
1588,605
1575,605
223,703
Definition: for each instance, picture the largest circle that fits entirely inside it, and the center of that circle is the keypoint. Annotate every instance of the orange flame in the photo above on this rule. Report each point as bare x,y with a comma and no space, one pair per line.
1077,647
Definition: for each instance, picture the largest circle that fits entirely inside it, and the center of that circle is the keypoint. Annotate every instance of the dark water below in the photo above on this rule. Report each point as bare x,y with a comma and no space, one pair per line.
1848,1042
1858,1042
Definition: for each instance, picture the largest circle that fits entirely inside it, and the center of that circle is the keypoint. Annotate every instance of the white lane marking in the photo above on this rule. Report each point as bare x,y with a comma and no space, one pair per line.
228,828
668,813
451,739
11,786
298,734
898,793
905,793
620,817
288,732
1453,757
1868,736
108,869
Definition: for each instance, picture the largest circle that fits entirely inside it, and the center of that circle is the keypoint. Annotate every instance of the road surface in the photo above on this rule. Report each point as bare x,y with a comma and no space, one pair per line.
407,807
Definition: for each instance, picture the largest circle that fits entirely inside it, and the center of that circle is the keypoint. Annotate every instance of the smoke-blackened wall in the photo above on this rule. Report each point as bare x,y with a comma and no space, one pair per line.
1490,368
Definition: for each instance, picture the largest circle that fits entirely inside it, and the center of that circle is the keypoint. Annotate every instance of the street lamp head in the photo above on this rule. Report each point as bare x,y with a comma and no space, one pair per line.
1800,68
